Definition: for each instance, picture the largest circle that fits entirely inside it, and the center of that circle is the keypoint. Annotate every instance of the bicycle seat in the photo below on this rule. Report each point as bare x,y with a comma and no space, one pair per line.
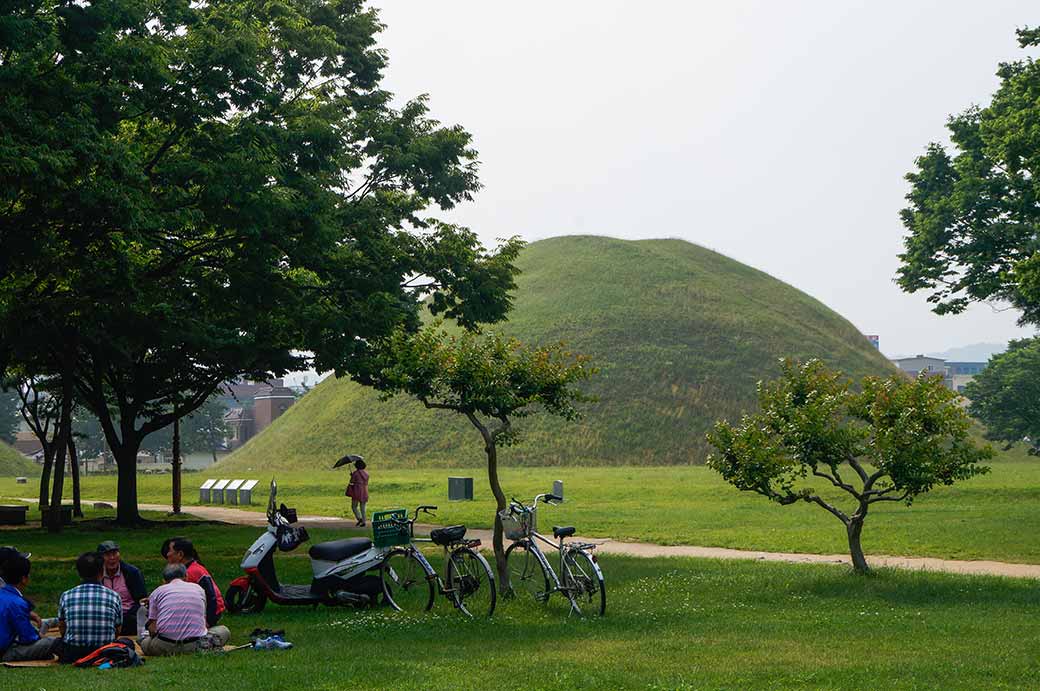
337,550
563,532
446,536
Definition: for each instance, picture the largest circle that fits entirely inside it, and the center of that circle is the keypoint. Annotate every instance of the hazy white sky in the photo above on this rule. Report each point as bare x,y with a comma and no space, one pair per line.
777,133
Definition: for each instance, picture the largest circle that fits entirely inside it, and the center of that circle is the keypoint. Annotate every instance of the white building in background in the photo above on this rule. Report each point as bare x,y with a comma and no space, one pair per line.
955,375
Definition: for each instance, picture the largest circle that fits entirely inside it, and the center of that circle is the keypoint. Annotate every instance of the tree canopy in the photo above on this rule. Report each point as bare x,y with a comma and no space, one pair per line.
490,379
1005,396
973,215
890,442
193,191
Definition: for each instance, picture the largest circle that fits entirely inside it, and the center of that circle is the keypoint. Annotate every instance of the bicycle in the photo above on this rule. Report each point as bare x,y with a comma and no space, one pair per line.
529,570
409,581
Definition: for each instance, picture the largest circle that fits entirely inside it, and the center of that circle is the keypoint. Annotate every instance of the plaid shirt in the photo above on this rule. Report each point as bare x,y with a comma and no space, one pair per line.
91,613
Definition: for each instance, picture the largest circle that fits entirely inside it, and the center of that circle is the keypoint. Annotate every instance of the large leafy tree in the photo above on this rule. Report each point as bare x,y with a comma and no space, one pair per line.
890,442
194,191
491,380
1006,395
973,215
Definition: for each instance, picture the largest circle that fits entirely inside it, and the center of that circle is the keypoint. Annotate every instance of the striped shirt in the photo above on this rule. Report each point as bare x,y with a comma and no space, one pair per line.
91,613
178,610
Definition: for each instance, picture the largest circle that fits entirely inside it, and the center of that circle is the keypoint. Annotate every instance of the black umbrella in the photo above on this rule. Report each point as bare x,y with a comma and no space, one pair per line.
349,459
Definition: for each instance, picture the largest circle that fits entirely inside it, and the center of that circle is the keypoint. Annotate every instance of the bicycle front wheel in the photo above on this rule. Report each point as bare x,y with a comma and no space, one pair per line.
471,583
583,580
526,573
407,582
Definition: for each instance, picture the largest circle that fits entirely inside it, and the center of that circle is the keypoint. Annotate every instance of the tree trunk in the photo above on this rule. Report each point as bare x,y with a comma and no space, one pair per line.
177,466
45,477
126,493
500,505
77,506
54,523
855,529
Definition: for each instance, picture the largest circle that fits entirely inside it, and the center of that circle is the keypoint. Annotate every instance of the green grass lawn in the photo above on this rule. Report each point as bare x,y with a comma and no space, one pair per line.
992,517
671,624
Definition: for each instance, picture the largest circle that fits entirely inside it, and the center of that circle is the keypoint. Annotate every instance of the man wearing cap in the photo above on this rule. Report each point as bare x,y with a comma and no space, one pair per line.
126,580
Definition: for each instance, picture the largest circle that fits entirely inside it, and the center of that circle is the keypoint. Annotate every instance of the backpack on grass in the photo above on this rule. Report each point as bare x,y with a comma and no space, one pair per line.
119,653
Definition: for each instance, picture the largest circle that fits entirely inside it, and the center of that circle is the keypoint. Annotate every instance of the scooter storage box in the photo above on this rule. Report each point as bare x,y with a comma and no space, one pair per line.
390,528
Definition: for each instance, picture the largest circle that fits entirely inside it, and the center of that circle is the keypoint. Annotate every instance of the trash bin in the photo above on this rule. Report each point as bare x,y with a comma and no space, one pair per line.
245,492
558,488
205,491
460,489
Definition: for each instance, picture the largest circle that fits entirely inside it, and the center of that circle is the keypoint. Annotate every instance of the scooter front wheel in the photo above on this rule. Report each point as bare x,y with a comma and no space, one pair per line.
407,582
247,600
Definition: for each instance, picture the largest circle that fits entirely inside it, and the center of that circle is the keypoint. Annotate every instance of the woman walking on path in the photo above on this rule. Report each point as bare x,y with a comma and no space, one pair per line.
357,490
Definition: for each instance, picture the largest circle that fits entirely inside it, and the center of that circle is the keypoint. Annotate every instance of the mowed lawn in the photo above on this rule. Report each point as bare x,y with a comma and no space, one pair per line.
994,516
671,624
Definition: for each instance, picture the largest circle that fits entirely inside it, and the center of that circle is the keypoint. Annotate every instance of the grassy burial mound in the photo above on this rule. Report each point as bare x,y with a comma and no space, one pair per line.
681,335
14,463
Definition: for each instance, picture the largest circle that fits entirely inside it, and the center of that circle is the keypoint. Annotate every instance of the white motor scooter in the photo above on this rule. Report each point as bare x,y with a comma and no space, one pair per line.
345,572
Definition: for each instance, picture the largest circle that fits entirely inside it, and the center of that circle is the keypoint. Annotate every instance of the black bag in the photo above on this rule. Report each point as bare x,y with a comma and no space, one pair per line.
291,538
287,513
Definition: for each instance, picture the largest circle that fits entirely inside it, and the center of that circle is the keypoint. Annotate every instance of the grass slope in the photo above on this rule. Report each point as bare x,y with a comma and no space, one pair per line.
13,463
670,624
681,335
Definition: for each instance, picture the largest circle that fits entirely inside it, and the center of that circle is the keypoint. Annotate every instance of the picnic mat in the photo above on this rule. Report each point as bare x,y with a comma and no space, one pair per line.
54,661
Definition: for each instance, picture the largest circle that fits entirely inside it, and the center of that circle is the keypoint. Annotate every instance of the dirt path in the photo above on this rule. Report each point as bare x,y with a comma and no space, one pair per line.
643,549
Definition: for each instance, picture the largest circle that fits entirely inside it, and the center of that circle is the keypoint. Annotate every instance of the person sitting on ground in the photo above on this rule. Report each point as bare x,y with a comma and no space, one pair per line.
6,552
127,582
180,550
177,617
19,639
89,615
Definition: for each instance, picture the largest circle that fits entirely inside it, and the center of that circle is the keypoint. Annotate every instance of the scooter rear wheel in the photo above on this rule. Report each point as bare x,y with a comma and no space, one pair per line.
407,584
246,600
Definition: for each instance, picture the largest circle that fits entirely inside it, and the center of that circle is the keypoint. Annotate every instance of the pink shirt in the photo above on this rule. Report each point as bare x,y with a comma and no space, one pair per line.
118,584
178,609
358,487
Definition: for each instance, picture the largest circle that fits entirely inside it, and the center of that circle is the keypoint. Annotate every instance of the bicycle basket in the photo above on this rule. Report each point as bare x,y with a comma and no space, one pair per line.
517,526
387,531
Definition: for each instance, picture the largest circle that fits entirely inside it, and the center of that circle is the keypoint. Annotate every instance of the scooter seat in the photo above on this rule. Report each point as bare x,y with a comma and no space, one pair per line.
339,549
446,536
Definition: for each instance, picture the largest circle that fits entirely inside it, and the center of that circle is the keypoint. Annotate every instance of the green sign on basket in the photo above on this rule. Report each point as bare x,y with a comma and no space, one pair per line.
390,528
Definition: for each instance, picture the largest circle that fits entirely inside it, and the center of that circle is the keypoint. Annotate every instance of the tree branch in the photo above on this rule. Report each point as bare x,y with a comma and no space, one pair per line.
812,498
837,482
858,468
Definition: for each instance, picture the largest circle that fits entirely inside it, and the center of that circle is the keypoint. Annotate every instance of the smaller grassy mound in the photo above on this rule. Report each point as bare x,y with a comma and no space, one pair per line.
13,463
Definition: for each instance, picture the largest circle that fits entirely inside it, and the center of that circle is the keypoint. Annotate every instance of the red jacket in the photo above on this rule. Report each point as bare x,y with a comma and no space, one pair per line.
197,573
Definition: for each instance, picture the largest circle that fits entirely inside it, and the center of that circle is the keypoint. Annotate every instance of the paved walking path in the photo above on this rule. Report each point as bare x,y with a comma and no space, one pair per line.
644,549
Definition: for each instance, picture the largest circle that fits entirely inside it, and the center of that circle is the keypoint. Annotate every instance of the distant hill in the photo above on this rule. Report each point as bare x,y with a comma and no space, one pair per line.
681,335
976,352
14,463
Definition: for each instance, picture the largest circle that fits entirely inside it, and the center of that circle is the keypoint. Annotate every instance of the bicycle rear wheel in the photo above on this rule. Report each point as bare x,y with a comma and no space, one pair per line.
526,573
407,582
471,583
583,580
